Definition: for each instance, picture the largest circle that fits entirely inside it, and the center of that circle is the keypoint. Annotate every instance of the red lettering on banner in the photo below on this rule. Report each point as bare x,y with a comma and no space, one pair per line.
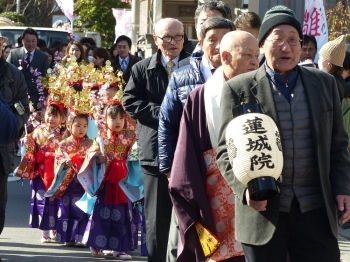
311,22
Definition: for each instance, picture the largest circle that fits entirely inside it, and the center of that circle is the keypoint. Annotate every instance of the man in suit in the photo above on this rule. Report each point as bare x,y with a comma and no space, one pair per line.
28,58
124,60
314,185
143,96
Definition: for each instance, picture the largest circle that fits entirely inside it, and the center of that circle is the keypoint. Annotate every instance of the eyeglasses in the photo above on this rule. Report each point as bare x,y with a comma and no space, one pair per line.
280,42
168,39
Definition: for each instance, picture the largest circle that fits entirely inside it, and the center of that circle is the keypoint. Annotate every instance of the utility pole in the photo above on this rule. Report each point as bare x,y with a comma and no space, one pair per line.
18,7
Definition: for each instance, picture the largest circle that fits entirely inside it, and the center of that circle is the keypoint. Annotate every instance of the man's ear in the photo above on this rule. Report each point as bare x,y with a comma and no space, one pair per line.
200,41
225,57
155,38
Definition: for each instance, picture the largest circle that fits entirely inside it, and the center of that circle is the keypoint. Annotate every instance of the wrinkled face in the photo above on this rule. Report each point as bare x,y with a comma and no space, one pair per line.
79,127
29,42
211,45
52,120
116,123
282,58
244,58
308,51
172,49
74,50
203,16
123,49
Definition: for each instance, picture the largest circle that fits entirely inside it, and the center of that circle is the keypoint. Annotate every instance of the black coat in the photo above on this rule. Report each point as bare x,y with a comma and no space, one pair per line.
143,96
13,89
132,60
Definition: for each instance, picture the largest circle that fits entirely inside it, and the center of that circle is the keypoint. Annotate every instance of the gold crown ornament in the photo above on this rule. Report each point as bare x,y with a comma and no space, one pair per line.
111,78
81,102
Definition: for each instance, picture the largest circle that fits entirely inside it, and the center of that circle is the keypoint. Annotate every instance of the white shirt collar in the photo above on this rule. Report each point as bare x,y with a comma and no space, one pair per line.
166,60
206,68
26,51
126,60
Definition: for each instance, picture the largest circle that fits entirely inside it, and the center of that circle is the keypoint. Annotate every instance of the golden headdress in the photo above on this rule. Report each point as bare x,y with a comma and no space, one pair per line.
111,78
70,83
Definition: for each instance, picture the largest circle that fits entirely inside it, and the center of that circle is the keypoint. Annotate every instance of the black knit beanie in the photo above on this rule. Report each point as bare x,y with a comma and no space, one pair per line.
278,15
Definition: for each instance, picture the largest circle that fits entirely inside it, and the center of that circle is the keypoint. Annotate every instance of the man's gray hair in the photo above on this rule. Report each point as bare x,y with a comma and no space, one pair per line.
214,23
217,5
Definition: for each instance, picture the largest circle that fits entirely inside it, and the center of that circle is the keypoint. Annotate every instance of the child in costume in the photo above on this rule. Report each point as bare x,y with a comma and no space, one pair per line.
69,158
109,227
38,166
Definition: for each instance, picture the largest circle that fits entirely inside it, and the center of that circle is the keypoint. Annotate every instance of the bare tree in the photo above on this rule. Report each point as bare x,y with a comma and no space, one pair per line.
37,12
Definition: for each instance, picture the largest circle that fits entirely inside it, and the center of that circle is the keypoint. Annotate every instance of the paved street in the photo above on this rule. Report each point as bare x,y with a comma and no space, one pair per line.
18,243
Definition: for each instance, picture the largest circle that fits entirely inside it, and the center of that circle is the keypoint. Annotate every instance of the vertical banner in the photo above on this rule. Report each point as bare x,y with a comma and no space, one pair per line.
315,22
123,22
67,7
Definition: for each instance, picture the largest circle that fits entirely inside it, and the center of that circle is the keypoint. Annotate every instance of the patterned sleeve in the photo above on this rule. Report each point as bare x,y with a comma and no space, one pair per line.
26,168
130,122
60,158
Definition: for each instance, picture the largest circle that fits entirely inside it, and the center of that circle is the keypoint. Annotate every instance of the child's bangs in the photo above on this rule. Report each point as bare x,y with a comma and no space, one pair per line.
114,110
54,110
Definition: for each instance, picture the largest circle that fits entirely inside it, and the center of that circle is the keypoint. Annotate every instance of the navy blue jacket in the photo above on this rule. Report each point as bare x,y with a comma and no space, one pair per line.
9,124
182,82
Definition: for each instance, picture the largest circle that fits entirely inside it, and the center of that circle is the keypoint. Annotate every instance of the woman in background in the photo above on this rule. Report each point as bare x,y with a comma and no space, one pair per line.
100,56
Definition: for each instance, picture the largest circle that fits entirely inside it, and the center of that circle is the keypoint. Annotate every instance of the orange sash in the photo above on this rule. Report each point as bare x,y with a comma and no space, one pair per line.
222,207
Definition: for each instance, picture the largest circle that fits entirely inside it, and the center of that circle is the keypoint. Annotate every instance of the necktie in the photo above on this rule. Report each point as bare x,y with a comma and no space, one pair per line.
123,65
169,67
28,58
213,70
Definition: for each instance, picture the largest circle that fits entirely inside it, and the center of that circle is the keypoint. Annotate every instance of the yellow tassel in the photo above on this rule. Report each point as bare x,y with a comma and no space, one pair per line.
208,241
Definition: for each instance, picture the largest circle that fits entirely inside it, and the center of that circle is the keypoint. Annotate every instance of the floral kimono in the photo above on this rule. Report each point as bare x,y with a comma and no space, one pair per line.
110,226
38,166
72,220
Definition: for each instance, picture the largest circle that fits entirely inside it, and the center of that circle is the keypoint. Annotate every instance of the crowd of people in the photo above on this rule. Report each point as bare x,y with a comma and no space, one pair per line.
104,118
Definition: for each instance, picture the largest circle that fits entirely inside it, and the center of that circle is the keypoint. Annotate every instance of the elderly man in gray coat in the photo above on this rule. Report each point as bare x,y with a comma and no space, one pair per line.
314,190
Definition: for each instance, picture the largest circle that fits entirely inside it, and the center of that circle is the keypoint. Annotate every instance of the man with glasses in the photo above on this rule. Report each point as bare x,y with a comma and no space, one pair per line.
142,99
314,194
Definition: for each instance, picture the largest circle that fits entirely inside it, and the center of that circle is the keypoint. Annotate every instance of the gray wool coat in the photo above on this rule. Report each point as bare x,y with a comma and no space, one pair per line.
330,144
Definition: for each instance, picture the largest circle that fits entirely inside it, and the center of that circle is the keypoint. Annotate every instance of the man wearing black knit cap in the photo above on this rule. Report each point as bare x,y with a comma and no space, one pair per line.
314,193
